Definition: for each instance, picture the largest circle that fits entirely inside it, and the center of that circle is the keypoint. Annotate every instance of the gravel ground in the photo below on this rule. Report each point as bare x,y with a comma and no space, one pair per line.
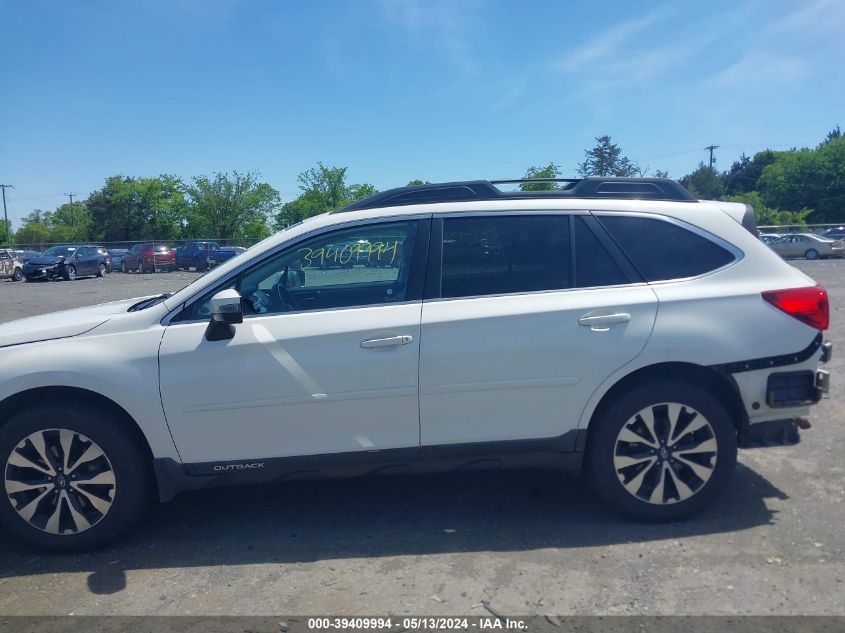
528,542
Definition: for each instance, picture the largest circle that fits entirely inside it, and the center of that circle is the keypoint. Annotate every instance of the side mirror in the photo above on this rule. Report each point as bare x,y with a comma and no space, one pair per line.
225,312
226,307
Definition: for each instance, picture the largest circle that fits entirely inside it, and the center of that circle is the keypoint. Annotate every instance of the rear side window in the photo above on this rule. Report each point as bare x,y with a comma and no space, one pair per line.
594,266
500,255
664,250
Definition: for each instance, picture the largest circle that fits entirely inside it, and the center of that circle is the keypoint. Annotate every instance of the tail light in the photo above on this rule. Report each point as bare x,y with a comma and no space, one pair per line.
149,254
809,305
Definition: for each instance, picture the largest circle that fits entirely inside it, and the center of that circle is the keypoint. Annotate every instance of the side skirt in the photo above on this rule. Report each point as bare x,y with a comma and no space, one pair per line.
565,452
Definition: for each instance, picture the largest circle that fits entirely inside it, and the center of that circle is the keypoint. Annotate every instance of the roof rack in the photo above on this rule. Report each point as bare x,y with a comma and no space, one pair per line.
479,190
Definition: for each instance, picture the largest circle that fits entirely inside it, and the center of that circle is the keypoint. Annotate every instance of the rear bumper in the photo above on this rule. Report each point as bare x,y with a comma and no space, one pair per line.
778,391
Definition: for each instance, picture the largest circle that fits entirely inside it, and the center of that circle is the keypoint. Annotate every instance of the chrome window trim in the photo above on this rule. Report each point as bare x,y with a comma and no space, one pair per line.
168,318
638,284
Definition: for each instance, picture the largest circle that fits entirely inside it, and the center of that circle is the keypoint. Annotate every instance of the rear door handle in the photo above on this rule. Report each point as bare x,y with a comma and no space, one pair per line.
603,320
392,341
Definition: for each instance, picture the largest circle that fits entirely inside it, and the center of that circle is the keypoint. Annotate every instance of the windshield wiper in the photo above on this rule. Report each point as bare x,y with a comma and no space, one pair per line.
147,303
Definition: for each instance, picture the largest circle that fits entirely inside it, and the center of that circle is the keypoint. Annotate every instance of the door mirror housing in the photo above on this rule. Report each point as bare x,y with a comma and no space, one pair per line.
226,307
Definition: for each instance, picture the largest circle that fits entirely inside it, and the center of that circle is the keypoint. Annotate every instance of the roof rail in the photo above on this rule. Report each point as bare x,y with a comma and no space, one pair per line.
480,190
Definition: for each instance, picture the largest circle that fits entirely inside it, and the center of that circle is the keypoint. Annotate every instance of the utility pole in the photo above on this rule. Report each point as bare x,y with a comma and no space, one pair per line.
6,215
712,160
71,195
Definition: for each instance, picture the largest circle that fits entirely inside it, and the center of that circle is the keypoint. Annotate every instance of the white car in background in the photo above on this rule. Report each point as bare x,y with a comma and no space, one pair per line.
615,325
808,246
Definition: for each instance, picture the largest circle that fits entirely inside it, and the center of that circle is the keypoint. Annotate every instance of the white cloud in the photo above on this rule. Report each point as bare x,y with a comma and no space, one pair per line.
607,44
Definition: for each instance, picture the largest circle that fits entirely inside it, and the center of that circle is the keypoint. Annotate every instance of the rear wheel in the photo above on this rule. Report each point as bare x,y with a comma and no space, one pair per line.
73,477
101,270
811,253
662,452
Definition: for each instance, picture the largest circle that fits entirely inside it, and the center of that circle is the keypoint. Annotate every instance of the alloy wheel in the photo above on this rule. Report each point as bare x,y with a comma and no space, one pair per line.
665,453
60,481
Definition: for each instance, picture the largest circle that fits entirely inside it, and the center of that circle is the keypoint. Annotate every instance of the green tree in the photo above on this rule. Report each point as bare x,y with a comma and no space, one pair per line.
549,171
606,159
417,183
323,189
743,174
227,207
808,179
34,230
70,223
704,183
766,216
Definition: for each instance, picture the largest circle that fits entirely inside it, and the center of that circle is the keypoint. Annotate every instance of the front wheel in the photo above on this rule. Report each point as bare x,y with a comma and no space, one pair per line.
74,478
662,452
69,273
811,253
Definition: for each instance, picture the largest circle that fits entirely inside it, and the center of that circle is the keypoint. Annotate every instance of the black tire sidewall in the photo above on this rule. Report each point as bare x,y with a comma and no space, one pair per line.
133,477
603,442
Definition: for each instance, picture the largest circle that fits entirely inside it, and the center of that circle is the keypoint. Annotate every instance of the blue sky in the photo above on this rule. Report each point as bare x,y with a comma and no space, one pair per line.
401,89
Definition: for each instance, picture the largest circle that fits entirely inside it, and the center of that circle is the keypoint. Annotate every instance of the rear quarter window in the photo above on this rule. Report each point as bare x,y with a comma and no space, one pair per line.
664,250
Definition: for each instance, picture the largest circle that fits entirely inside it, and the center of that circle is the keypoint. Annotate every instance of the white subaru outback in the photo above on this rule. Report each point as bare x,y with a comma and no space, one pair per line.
615,325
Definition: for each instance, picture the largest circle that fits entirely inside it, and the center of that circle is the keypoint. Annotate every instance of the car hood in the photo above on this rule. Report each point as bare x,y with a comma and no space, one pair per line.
63,324
45,261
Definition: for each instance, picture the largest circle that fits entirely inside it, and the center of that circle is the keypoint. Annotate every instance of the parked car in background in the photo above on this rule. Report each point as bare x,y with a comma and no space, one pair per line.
68,262
116,255
148,258
10,266
808,246
25,255
195,255
768,238
834,234
224,254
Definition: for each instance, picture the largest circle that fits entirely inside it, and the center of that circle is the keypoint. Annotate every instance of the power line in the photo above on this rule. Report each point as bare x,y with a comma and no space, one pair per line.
6,215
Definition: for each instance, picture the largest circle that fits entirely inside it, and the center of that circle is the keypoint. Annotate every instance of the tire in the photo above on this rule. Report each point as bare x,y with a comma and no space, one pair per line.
86,519
141,268
17,275
101,270
69,273
811,253
123,267
617,459
200,267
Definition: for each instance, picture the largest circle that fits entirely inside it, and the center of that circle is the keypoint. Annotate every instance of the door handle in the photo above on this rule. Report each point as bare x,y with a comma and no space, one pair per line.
601,320
392,341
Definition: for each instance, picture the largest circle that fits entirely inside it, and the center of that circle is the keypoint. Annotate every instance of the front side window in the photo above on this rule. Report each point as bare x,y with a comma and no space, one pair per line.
506,254
664,250
365,265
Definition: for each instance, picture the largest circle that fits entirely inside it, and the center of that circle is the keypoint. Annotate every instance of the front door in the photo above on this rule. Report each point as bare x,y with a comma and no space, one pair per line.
525,329
326,360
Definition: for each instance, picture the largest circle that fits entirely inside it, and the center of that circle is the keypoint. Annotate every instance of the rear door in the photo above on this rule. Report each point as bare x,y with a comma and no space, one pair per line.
85,260
526,316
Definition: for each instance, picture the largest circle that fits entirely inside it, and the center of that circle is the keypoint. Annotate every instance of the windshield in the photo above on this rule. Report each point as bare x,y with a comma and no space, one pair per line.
59,251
